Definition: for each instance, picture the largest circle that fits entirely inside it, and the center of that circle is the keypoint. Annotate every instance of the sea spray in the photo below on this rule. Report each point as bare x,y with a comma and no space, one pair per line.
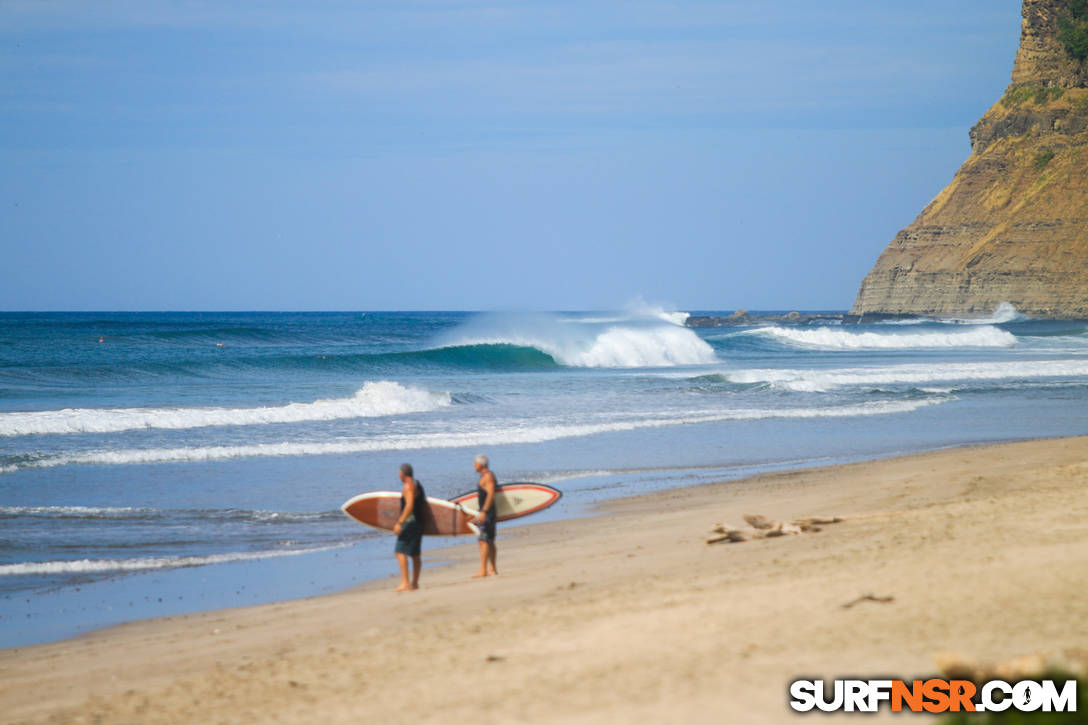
1004,312
628,341
640,308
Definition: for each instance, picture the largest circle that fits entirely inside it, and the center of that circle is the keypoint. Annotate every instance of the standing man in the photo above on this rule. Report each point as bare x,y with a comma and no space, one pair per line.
409,528
485,499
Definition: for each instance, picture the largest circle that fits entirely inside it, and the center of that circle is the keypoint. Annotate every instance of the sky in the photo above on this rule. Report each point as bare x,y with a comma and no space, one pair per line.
477,154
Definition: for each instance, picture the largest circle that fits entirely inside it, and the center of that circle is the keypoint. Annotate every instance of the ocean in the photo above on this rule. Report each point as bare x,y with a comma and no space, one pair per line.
159,463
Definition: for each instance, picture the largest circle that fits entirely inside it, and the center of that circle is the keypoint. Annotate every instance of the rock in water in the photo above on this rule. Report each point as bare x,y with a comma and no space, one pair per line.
1013,224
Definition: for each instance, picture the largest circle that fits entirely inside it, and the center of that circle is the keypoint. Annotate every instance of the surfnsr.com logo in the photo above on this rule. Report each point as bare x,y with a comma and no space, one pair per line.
934,695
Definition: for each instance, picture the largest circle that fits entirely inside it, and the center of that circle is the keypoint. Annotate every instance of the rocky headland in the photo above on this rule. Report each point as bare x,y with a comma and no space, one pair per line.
744,317
1013,224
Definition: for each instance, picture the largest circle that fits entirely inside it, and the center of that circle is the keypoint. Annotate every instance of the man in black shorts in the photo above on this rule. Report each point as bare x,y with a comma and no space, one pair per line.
486,490
409,528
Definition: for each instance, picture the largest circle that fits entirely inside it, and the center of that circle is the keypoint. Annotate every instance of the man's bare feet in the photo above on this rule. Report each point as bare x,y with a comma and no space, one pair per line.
405,588
479,575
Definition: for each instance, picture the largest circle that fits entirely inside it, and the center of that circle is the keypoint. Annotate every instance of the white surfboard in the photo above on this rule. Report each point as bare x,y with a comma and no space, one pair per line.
514,500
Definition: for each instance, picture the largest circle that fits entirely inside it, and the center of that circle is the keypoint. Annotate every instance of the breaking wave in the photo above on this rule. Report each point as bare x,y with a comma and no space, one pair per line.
127,513
498,435
91,566
629,341
823,380
839,339
373,399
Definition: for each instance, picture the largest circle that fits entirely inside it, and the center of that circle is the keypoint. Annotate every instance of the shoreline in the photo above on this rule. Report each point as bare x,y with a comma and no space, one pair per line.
983,549
183,591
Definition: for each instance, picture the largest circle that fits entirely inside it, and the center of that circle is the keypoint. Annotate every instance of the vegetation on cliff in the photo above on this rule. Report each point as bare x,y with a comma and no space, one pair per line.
1013,224
1073,30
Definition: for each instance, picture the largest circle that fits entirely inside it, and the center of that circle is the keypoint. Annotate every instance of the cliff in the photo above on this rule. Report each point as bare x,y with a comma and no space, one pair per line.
1013,224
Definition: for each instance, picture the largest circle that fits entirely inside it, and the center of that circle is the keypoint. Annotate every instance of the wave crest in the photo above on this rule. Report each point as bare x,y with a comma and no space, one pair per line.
493,436
128,513
88,566
374,399
910,374
828,338
632,341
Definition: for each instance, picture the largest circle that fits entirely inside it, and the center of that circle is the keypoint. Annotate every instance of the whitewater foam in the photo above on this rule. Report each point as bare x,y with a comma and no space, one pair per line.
908,321
573,476
79,512
824,380
143,514
839,339
626,347
91,566
378,398
494,436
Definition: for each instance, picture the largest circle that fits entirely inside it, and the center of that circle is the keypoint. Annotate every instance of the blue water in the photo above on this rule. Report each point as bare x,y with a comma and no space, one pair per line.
157,463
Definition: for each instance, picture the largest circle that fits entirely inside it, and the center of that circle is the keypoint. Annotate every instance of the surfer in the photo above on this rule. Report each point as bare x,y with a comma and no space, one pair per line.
409,528
485,499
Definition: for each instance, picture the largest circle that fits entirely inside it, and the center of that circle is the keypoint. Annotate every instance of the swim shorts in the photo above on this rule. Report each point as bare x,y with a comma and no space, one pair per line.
487,529
410,539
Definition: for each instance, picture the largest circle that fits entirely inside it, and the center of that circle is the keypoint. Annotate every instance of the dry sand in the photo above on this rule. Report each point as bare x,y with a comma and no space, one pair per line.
629,615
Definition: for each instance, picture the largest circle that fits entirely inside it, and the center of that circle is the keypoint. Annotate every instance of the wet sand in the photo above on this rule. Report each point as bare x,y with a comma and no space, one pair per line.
630,615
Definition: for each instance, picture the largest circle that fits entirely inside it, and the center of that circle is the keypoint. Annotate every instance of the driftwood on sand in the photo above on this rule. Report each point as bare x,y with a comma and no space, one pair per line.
761,527
868,598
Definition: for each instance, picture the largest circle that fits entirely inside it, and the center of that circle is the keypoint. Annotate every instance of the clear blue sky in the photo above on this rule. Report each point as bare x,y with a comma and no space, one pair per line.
477,155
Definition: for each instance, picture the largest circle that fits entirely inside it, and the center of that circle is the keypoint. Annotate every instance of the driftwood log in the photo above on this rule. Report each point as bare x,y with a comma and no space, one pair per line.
868,598
762,527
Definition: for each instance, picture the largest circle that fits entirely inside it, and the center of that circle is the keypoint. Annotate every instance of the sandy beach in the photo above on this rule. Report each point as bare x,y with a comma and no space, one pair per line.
629,614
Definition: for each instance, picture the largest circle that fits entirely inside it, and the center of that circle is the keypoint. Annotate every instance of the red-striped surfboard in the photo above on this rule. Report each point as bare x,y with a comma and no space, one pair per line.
381,509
